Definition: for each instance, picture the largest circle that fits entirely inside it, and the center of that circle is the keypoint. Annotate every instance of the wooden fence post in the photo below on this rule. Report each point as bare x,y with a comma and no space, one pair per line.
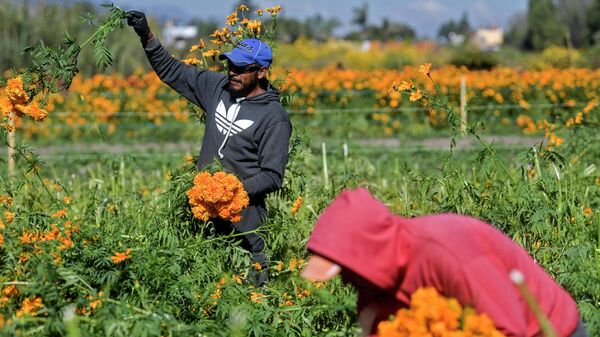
463,104
325,171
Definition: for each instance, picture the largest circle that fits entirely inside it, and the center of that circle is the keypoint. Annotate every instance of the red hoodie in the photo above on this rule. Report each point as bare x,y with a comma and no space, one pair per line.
460,256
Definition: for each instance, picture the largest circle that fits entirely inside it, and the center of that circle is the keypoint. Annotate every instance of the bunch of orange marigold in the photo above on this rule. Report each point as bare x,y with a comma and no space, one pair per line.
220,195
16,100
433,315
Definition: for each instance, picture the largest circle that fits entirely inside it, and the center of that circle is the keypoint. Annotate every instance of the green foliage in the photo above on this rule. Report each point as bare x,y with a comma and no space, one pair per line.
53,69
25,24
471,57
543,26
593,22
461,27
182,279
556,57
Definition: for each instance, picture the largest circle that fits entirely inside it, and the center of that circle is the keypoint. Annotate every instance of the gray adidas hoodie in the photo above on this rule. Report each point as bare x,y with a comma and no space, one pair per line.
250,137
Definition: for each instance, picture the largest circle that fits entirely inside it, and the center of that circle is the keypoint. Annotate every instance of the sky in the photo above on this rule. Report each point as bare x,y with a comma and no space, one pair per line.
425,16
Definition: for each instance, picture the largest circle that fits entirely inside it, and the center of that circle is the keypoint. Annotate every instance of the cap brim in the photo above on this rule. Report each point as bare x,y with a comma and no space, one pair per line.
234,59
320,269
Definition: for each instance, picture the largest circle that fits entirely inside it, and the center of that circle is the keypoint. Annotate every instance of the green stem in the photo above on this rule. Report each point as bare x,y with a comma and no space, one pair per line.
504,168
101,29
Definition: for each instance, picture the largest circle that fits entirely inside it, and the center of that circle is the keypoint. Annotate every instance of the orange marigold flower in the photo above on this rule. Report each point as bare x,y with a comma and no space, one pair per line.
579,118
15,91
5,199
198,46
256,266
120,257
211,53
274,10
67,199
243,8
431,314
6,107
256,297
425,68
279,266
10,291
60,214
191,61
295,263
29,307
260,12
232,19
238,278
28,237
32,110
53,234
10,127
296,205
66,243
220,195
416,95
587,211
406,85
1,240
255,26
9,216
287,300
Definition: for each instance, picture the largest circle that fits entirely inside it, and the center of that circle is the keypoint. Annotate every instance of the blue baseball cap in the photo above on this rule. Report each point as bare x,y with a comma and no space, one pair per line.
249,51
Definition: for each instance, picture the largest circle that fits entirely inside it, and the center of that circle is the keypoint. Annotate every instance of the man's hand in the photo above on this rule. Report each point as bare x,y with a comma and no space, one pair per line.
139,23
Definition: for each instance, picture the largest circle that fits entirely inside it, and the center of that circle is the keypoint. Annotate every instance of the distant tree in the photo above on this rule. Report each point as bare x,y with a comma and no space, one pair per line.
461,27
543,26
517,30
361,17
314,27
320,28
288,29
573,15
593,22
390,31
205,27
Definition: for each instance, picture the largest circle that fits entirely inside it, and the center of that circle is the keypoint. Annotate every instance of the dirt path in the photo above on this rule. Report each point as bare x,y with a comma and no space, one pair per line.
443,143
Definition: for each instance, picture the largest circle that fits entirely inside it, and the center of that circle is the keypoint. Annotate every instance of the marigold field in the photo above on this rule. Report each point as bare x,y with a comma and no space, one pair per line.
102,229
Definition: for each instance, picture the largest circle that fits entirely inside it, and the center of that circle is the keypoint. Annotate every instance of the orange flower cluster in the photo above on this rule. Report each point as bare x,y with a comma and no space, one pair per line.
95,302
120,257
55,234
220,195
433,315
257,297
296,205
29,307
15,101
8,292
296,264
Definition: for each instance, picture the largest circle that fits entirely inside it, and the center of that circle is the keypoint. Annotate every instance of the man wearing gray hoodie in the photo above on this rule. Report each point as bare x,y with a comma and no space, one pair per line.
247,129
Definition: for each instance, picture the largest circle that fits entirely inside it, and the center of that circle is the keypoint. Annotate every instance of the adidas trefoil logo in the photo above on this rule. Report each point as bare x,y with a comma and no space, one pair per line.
223,118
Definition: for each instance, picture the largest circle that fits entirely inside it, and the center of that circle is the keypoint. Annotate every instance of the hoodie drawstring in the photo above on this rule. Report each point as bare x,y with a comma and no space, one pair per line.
237,107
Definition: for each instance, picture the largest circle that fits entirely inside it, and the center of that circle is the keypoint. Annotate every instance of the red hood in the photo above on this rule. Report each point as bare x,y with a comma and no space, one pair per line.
359,233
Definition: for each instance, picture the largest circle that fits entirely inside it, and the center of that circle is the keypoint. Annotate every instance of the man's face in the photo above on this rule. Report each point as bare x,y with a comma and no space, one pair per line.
243,79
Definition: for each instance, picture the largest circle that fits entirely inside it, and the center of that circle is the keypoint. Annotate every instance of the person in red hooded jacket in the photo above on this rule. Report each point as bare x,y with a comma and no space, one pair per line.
387,257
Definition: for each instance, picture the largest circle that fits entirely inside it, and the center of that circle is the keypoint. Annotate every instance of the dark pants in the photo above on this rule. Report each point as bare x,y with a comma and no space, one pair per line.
252,218
580,331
